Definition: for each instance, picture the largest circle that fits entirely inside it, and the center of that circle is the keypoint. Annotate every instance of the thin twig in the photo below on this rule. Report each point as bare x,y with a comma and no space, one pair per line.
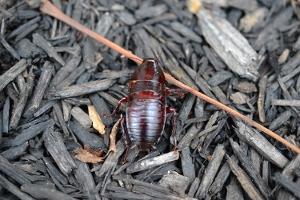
50,9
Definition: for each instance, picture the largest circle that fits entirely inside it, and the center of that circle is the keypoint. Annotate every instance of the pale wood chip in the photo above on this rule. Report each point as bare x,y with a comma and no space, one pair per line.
97,122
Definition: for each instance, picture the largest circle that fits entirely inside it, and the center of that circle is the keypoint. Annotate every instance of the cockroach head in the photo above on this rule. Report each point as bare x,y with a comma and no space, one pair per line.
149,70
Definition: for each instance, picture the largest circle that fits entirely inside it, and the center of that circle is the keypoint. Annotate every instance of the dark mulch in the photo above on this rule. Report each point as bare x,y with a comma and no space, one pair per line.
242,53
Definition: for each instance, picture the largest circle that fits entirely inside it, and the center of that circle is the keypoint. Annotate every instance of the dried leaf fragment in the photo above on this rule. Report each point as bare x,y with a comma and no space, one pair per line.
90,150
97,122
112,137
85,156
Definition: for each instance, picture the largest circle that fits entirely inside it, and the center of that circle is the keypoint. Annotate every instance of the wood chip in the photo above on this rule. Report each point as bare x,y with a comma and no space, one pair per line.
55,146
41,42
245,87
175,182
211,171
152,162
244,180
261,144
12,73
220,34
239,98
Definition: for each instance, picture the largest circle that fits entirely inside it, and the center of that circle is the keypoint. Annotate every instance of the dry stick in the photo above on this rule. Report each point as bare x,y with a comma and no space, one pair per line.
50,9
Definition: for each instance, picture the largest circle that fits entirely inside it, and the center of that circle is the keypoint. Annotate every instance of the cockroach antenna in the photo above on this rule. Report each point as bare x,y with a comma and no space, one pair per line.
159,55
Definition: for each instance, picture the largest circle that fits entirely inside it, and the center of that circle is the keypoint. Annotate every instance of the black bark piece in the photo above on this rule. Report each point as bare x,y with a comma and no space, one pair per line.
78,101
15,152
104,24
82,89
53,169
175,182
57,149
175,36
85,179
144,184
65,71
39,191
194,187
219,78
261,144
40,89
152,162
44,108
61,120
287,184
91,140
161,18
185,31
111,160
211,171
220,95
72,77
221,178
23,27
282,18
81,117
212,59
26,49
6,107
209,138
114,74
15,173
175,49
12,73
9,48
261,98
32,131
27,14
185,110
41,42
89,54
188,169
152,11
127,18
281,119
14,189
29,29
234,190
252,172
244,180
199,81
188,137
176,71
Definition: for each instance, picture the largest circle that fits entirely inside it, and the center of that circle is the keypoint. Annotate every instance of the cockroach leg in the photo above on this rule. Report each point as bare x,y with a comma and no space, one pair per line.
117,108
174,117
125,140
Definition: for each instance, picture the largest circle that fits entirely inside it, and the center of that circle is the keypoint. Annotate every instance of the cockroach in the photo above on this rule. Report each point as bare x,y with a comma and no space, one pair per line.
146,107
